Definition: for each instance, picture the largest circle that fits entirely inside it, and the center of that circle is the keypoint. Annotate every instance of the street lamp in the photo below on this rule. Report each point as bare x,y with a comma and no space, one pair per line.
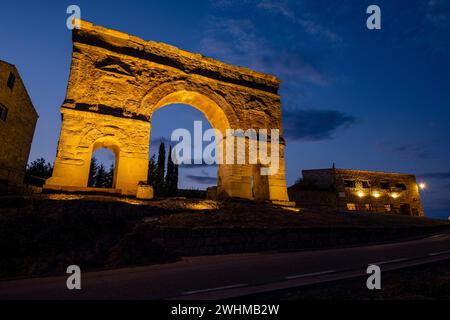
422,186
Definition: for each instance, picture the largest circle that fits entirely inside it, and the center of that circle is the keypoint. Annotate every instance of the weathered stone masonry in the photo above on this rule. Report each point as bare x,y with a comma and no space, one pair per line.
116,83
358,190
17,123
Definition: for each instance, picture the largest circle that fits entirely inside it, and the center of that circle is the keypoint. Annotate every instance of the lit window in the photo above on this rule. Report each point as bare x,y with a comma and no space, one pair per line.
11,80
3,112
385,185
349,183
387,207
351,207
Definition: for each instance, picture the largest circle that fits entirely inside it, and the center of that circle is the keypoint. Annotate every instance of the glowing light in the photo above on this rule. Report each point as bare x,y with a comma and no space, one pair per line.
291,209
394,195
422,186
361,194
376,194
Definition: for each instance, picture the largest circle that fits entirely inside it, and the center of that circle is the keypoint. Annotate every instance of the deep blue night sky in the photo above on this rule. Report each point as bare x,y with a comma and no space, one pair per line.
376,100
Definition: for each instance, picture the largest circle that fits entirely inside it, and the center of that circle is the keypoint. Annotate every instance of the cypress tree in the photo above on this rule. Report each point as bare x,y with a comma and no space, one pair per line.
151,171
93,173
101,180
175,179
170,175
110,177
159,171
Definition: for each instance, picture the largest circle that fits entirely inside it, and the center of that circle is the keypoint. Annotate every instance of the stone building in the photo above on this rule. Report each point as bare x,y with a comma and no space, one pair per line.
17,123
357,190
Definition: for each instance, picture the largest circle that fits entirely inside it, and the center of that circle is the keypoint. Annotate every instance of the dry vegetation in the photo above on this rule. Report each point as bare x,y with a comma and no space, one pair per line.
248,214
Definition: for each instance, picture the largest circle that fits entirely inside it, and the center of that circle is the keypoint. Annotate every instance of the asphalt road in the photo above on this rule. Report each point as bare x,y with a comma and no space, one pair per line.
213,277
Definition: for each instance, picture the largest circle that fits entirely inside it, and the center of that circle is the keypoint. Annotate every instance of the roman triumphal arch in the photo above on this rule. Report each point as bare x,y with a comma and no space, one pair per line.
117,81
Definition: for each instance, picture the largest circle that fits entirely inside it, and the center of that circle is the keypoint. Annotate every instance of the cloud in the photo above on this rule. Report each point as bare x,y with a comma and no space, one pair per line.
429,25
438,13
435,175
314,125
293,11
417,150
280,7
202,179
302,18
197,166
237,41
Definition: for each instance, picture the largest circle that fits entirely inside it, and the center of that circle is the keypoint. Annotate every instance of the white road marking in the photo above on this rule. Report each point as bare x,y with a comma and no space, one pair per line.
389,261
438,253
436,236
309,274
216,289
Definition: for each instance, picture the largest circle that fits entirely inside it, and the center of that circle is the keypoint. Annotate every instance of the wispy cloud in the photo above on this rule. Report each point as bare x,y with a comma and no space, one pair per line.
314,125
202,179
416,150
438,13
281,7
294,11
302,18
197,166
237,41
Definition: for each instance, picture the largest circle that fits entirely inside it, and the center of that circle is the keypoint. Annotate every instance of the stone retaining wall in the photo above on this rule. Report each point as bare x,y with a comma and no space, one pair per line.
188,242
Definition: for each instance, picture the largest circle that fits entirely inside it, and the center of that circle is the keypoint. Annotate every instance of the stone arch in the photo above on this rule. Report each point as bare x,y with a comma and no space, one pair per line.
205,100
117,81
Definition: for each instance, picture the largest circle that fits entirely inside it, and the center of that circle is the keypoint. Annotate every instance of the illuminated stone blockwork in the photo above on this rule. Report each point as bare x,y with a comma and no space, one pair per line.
116,83
358,190
17,123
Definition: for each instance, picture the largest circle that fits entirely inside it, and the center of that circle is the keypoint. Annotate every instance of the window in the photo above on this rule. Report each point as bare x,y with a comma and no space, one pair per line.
365,184
351,207
349,183
3,112
401,186
385,185
11,80
387,208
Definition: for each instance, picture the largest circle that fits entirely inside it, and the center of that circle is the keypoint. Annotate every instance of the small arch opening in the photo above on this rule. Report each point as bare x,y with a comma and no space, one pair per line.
102,169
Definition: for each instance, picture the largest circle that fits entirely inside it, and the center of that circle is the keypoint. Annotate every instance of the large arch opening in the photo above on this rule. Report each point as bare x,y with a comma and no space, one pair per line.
242,180
192,179
210,114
